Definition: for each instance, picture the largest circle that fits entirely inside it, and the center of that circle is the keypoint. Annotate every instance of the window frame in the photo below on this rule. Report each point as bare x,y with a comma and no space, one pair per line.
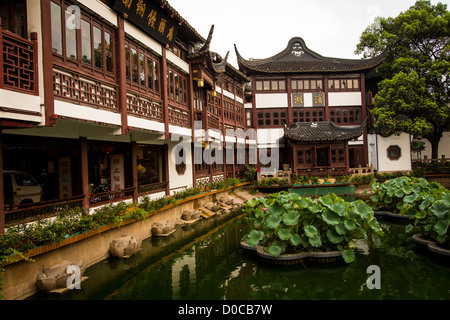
107,57
135,64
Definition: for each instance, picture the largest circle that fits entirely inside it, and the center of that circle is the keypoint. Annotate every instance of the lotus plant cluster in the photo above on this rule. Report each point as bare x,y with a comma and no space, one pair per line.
426,203
286,223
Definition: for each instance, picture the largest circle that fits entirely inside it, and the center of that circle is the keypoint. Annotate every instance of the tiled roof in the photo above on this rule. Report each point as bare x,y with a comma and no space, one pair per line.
297,58
322,131
214,61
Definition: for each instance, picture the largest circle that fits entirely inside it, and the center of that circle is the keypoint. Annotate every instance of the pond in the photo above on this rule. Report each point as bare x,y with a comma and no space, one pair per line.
204,261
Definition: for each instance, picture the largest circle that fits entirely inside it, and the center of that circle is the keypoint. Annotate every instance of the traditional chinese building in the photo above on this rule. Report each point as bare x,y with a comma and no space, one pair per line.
95,96
312,110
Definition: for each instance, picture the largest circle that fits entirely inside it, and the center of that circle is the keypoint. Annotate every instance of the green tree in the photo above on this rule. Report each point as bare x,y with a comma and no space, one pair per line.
413,96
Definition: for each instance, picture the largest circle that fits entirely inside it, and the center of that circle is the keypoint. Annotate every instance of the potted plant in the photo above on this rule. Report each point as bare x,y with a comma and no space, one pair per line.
326,180
286,226
430,213
404,197
315,179
306,180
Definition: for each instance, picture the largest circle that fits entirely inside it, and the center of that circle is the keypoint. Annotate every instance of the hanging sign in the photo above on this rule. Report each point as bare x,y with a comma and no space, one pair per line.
65,177
117,174
150,18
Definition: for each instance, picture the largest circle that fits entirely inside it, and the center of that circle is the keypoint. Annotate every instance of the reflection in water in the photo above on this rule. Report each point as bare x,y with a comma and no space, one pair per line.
195,263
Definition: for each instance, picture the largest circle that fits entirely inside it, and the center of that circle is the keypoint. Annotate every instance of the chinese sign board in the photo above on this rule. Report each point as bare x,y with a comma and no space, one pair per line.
150,18
65,177
318,99
117,172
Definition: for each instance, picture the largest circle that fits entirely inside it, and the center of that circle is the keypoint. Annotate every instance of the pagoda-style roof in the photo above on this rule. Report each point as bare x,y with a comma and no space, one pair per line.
213,61
298,58
324,131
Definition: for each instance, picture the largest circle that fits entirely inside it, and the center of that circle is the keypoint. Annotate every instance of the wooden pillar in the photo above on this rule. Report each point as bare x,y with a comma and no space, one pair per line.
121,79
134,173
84,171
164,92
290,113
166,158
347,156
47,63
364,114
327,106
2,196
191,97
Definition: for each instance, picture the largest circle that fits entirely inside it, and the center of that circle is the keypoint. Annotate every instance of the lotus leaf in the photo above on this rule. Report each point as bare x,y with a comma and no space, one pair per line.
439,209
311,231
348,255
291,218
277,248
284,233
363,210
273,221
254,237
295,239
330,217
334,237
349,225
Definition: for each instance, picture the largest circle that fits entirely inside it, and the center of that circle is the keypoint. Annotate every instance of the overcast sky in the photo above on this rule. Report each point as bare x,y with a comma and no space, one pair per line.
262,28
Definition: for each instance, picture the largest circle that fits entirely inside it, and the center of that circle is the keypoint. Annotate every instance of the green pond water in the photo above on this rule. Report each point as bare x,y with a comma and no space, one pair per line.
204,261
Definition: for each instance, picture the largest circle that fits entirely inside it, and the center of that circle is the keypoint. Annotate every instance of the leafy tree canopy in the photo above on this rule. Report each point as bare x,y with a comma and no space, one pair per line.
414,95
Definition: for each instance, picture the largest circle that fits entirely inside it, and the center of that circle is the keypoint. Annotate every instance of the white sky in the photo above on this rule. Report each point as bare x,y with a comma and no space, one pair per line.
262,28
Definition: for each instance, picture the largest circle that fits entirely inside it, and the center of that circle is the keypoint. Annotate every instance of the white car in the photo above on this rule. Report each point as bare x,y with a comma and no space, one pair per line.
20,188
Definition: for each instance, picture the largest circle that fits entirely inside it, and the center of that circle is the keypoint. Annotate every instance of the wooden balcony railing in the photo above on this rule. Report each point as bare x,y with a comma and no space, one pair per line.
213,122
179,117
83,90
18,63
152,188
102,198
44,209
144,107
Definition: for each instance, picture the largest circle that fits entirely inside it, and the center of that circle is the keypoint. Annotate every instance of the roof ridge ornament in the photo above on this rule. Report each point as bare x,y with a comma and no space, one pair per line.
297,49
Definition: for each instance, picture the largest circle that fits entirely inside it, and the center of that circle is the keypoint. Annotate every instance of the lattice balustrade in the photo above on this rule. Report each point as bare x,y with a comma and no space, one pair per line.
147,108
19,63
72,86
213,122
179,117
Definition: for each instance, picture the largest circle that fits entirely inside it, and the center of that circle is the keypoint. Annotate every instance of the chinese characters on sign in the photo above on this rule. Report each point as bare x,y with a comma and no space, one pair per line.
117,172
65,177
318,99
150,18
298,99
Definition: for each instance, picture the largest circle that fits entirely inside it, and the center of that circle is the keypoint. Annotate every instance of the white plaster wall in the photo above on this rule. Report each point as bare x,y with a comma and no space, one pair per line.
177,61
343,99
176,181
271,100
20,101
146,124
402,164
269,136
101,9
444,147
76,111
372,151
138,34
